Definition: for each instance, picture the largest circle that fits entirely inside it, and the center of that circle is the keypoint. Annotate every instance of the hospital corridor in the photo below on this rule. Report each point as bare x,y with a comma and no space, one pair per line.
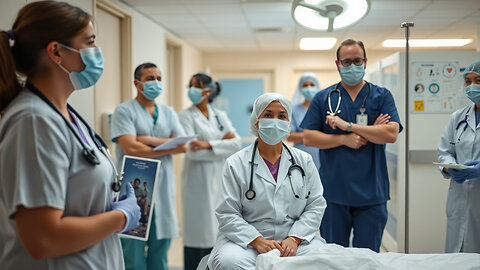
239,134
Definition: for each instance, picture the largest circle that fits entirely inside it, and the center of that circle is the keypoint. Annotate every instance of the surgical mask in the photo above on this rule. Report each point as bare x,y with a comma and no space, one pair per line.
473,93
152,89
195,95
309,92
352,74
273,131
93,60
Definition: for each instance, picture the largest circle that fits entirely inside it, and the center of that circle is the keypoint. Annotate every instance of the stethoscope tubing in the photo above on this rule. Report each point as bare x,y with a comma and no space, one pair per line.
250,194
88,153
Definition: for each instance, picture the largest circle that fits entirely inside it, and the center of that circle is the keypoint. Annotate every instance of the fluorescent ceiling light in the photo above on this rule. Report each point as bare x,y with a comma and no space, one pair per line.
317,43
328,15
427,42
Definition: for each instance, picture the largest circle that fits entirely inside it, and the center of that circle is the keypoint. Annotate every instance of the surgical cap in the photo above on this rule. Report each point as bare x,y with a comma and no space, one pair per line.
261,103
473,68
298,97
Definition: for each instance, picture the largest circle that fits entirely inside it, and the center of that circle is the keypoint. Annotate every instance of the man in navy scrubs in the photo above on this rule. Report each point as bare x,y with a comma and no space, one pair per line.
340,121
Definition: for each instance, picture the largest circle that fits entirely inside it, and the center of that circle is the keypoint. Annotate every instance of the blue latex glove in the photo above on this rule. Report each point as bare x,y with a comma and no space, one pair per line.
458,176
474,172
128,205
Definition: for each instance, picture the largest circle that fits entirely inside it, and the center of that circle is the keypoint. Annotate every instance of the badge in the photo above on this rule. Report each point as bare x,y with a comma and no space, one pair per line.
362,118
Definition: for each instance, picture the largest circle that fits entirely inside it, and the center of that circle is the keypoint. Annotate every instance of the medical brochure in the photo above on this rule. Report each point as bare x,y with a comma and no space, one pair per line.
141,173
453,166
174,142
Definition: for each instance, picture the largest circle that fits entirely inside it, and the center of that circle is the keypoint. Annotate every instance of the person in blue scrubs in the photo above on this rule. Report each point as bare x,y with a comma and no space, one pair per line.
137,127
307,87
352,150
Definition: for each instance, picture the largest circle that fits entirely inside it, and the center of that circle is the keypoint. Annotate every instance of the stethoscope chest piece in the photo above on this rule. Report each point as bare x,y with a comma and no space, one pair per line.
116,186
250,194
90,155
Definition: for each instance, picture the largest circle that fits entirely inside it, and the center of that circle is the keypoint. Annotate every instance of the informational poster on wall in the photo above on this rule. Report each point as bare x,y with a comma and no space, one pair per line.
436,87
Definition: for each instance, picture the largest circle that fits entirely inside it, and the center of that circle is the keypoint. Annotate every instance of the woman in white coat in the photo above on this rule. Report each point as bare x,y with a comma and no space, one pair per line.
202,167
261,208
460,144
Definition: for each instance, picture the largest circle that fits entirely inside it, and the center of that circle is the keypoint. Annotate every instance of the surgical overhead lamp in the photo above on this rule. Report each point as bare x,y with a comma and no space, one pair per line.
328,15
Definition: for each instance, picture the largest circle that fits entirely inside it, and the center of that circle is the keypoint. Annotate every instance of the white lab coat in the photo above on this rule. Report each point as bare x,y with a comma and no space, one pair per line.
274,213
201,174
463,202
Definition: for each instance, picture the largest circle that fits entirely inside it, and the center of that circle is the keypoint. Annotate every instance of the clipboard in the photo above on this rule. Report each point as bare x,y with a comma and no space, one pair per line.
174,142
453,166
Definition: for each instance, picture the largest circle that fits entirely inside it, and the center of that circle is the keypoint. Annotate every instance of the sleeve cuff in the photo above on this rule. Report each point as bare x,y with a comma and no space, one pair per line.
126,221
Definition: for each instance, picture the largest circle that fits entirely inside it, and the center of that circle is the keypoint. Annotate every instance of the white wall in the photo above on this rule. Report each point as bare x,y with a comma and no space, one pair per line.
285,67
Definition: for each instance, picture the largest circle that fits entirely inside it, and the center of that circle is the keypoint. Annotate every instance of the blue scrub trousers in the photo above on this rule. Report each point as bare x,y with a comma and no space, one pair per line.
156,257
367,222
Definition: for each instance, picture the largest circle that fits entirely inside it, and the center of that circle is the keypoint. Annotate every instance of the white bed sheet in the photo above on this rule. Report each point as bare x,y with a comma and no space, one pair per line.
333,257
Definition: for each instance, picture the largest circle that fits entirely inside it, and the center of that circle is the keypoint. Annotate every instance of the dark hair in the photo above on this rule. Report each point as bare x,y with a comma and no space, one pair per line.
37,24
136,179
215,93
205,81
137,74
349,42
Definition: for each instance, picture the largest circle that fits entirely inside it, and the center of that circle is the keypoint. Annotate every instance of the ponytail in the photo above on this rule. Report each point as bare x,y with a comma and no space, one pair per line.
9,84
36,25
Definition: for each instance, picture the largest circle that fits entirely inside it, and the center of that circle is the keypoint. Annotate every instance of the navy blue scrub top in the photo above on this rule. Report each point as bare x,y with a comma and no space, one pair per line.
353,177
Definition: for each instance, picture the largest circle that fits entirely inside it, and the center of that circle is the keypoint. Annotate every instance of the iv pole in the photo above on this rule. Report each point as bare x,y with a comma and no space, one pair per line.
406,26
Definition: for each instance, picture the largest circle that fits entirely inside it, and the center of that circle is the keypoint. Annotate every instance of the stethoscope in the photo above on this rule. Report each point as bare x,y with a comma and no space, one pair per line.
250,194
337,109
219,124
88,153
465,120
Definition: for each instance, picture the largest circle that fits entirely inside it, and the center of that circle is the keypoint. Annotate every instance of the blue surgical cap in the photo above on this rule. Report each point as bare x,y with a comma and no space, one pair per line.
473,68
298,98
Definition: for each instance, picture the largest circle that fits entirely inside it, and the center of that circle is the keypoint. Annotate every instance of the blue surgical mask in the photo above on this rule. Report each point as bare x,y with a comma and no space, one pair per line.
93,60
195,95
473,93
352,75
272,131
152,89
309,92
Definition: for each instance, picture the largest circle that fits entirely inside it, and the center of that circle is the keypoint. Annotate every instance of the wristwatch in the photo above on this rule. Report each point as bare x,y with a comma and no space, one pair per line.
349,126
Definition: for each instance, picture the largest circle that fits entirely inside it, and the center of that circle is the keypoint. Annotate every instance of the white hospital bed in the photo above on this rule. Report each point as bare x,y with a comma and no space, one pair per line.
335,257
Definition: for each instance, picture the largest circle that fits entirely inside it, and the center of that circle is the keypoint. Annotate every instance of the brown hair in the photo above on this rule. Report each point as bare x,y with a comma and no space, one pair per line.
36,25
349,42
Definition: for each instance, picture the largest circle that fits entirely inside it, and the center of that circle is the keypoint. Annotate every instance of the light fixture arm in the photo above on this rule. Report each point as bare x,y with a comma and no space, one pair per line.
310,6
324,15
330,11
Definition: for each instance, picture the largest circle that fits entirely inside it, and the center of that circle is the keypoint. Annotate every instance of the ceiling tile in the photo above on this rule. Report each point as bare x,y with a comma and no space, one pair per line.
230,24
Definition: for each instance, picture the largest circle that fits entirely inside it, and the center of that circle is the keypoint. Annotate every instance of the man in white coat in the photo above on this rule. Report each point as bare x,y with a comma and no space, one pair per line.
261,208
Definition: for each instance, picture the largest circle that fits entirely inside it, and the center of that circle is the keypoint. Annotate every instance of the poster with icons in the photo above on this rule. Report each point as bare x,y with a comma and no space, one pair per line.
436,87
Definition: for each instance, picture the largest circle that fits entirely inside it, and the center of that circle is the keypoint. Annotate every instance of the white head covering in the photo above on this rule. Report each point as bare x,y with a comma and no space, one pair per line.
298,97
261,103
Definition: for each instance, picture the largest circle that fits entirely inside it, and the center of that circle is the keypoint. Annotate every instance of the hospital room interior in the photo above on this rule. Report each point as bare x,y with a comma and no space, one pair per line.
252,47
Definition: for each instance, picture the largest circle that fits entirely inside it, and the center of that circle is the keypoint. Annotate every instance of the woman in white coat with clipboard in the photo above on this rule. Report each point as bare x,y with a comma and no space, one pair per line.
271,195
202,167
460,144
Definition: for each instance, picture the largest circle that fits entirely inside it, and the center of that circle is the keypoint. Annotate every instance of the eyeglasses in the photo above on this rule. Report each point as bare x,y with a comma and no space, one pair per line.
348,62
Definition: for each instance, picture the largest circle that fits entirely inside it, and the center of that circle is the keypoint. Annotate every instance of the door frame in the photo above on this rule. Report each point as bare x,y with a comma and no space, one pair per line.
126,43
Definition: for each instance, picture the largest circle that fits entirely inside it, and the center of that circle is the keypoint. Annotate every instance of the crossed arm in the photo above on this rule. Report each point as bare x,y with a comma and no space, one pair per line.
142,146
383,131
